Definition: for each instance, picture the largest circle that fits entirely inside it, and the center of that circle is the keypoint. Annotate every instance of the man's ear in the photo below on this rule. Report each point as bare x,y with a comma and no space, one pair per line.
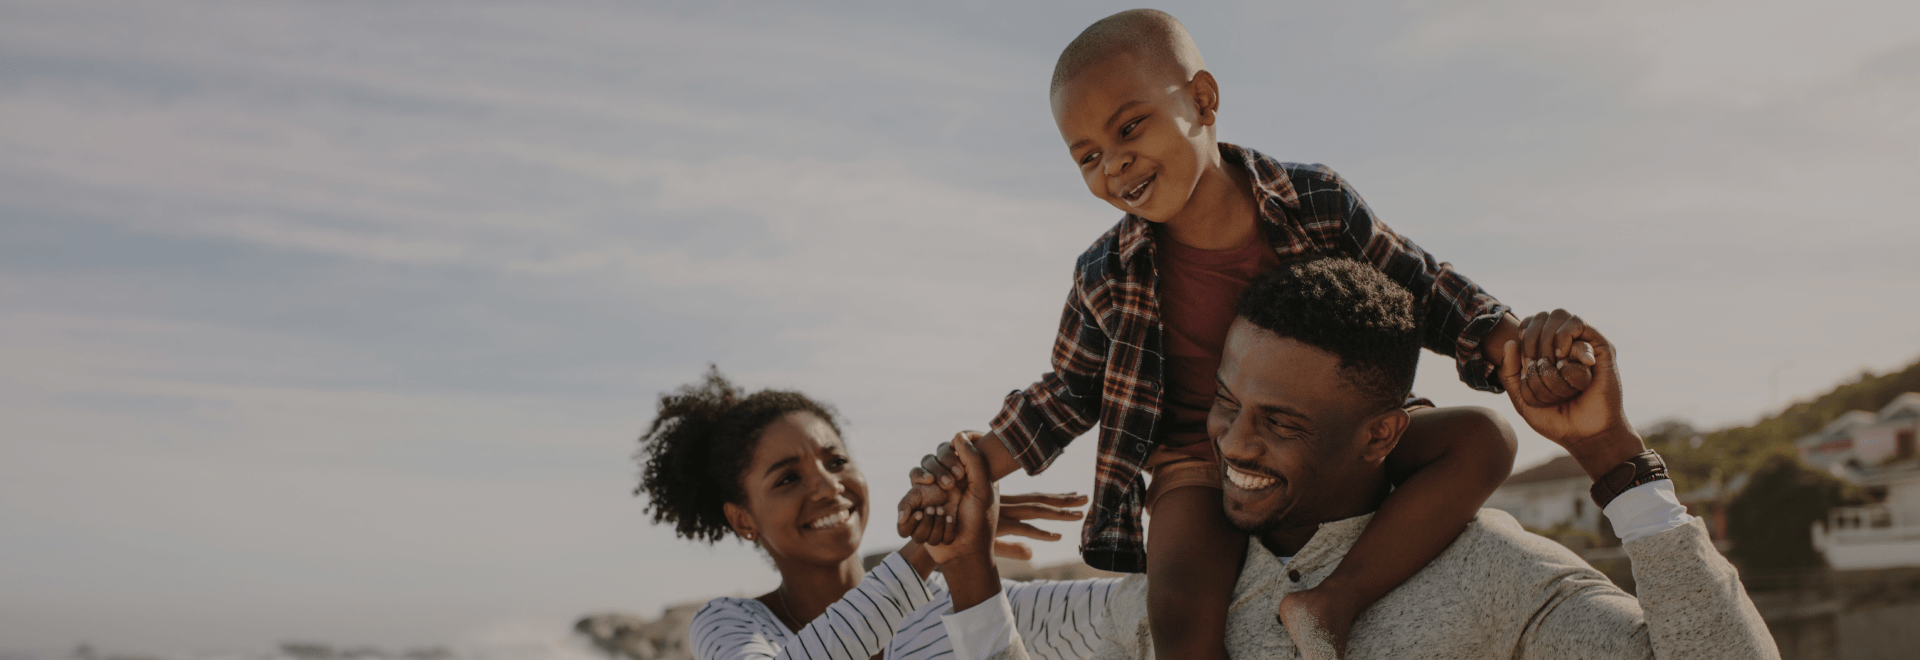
741,521
1206,96
1383,434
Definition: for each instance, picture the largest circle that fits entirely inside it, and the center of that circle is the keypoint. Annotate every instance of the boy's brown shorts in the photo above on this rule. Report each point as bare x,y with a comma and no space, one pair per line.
1169,469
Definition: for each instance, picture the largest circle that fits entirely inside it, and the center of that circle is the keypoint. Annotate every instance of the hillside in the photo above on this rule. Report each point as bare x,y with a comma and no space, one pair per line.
1740,449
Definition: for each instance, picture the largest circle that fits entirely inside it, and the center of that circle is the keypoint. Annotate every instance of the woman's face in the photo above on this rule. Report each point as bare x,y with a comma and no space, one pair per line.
806,501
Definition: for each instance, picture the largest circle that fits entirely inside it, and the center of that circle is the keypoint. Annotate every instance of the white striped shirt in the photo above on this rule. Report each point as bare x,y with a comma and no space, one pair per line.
1056,620
856,627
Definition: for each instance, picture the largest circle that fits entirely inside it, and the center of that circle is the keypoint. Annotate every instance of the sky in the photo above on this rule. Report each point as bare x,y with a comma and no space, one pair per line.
339,321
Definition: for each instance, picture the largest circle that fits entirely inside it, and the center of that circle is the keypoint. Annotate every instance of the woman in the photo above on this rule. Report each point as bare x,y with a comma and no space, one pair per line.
771,469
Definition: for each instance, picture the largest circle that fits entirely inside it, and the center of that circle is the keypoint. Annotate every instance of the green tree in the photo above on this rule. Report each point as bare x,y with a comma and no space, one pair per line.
1770,522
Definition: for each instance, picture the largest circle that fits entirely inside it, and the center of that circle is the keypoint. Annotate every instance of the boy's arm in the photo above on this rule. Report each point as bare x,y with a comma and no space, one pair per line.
1446,465
1460,318
943,464
1035,424
1456,314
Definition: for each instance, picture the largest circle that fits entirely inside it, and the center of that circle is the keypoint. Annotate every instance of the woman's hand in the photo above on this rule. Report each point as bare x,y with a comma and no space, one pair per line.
967,560
976,514
1016,510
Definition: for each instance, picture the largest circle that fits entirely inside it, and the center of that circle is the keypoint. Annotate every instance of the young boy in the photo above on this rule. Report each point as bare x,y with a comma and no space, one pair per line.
1143,329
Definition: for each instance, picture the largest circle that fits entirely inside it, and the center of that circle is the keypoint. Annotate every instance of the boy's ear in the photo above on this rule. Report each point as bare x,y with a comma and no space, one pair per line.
740,520
1383,434
1206,96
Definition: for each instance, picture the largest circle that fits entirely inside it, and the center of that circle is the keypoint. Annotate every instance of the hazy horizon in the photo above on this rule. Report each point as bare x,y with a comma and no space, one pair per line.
338,321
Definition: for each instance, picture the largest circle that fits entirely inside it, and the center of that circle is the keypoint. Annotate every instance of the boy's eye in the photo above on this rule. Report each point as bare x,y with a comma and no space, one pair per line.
1089,157
1128,129
786,479
837,462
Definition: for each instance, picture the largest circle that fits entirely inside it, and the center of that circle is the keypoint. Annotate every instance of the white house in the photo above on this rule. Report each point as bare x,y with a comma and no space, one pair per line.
1880,454
1831,447
1891,437
1549,495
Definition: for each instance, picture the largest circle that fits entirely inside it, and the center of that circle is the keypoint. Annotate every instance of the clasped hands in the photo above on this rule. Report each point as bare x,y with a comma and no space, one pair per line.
959,514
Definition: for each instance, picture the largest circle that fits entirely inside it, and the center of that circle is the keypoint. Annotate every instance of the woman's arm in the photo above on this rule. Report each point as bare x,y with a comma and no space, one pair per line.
992,618
1051,620
856,627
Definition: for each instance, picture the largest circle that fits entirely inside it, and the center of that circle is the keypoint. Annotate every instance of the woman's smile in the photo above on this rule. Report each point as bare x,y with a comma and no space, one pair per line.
841,518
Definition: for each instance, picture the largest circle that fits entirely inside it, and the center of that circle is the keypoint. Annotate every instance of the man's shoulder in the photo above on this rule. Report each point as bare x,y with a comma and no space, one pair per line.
1497,533
1494,554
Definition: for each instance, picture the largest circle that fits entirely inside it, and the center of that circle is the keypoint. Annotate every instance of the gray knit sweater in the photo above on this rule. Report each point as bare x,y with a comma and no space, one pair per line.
1496,592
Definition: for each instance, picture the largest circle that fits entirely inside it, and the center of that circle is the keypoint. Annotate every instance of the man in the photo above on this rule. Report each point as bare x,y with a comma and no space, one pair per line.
1311,378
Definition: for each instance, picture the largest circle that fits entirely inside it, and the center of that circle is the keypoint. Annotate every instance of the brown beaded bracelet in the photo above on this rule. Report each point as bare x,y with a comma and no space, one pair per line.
1641,469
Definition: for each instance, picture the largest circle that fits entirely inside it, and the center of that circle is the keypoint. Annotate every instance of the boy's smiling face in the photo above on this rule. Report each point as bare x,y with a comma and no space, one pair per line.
1140,132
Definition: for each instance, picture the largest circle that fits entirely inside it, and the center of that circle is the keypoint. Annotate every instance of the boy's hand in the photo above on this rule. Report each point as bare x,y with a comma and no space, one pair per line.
977,510
1555,361
1016,510
943,465
933,516
1319,621
1592,426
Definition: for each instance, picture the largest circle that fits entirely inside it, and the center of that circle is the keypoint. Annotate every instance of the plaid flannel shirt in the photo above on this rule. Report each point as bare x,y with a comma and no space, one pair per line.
1107,360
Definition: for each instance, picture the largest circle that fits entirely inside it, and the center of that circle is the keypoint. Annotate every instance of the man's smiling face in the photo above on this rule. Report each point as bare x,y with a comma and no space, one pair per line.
1299,443
1138,132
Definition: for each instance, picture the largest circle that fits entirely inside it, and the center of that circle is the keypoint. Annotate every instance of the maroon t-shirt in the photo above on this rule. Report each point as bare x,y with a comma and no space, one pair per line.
1198,290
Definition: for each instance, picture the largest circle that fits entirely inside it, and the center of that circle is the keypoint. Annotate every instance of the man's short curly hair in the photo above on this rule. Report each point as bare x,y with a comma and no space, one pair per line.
1346,308
692,456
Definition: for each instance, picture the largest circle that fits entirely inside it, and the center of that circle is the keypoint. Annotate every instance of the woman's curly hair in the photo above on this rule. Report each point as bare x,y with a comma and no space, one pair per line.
703,438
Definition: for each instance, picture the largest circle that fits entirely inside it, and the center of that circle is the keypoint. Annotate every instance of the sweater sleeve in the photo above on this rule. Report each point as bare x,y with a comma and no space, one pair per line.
1691,605
1694,602
856,627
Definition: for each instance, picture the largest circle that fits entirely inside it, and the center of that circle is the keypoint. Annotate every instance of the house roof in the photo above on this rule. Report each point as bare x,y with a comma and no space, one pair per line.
1563,467
1904,406
1840,428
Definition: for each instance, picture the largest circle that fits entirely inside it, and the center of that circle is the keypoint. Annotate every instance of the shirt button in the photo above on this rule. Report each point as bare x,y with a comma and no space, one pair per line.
1293,575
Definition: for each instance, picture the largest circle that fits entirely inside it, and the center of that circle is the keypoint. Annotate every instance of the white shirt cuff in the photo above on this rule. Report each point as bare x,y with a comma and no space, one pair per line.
982,630
1646,510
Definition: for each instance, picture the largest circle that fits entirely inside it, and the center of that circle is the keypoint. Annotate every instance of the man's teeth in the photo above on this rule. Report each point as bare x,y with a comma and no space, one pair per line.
1246,481
830,521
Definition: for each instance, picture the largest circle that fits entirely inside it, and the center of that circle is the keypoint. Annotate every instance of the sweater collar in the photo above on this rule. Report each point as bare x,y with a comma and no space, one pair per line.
1329,544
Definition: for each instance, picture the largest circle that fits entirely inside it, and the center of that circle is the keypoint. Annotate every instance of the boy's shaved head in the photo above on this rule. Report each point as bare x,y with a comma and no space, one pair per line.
1149,34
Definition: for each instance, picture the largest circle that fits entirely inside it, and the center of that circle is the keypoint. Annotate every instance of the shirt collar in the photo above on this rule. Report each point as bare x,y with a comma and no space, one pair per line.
1331,542
1272,193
